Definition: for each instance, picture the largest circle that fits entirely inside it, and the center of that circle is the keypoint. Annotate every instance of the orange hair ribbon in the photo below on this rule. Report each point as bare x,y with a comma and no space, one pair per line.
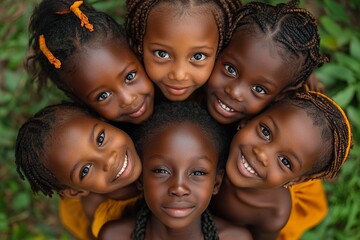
83,18
52,59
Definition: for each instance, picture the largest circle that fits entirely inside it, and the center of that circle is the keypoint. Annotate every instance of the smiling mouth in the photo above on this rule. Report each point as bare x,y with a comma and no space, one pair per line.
225,107
179,212
176,90
247,166
123,168
139,111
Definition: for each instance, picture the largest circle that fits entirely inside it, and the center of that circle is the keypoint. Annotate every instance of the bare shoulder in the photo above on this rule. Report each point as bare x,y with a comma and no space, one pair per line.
117,229
229,231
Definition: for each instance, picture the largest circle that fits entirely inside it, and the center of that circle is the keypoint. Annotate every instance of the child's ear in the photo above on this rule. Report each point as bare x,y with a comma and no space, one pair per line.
218,180
242,123
73,193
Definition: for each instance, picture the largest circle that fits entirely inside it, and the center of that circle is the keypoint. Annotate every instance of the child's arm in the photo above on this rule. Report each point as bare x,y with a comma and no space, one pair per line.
117,229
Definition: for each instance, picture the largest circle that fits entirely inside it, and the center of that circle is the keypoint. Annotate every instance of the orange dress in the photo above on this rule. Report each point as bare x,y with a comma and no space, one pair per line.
309,208
74,220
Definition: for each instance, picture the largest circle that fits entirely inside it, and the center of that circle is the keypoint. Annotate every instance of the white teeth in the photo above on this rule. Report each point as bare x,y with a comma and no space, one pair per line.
247,166
225,107
123,167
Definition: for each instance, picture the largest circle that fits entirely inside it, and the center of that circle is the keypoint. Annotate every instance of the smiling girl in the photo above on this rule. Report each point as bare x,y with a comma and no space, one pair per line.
179,41
65,150
86,54
302,137
183,151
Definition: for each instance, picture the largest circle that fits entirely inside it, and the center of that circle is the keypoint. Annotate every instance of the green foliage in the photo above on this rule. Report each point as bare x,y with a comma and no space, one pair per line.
22,214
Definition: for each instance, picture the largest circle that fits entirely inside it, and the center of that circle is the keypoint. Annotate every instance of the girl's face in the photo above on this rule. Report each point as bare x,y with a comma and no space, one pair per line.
111,80
276,147
180,174
247,76
89,154
179,49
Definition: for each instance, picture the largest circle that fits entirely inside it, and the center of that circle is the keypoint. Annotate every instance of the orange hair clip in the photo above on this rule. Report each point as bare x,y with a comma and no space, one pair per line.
52,59
83,18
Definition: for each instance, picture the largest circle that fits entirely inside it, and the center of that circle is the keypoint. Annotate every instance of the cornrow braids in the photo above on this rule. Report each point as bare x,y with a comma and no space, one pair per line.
65,33
326,113
138,12
292,28
170,113
31,147
208,227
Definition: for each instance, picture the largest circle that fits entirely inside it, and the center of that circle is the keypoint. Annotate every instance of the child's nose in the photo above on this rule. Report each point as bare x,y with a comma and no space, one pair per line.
178,72
110,162
235,91
261,155
126,99
179,187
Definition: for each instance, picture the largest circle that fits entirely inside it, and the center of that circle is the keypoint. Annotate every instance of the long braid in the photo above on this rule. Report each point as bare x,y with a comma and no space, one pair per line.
138,12
293,28
31,144
208,226
140,225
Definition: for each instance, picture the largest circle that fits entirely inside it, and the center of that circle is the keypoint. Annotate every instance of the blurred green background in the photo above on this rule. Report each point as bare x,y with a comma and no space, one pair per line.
25,216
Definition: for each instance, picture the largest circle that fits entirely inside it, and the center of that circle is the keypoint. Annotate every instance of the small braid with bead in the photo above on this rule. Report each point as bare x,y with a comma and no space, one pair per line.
208,227
138,12
31,142
293,28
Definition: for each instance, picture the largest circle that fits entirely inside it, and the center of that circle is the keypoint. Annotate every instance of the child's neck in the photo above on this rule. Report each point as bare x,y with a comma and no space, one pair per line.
157,230
124,193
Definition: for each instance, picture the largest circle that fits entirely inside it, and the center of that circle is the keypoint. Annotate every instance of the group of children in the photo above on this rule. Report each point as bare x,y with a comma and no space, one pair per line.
183,74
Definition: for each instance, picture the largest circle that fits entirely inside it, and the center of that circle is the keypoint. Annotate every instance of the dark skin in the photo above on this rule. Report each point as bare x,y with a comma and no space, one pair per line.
249,74
268,152
95,160
179,55
180,162
111,80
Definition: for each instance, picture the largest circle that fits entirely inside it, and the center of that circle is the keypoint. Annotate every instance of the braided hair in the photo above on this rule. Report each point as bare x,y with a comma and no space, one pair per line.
31,146
65,36
336,131
171,113
208,227
138,12
167,114
292,28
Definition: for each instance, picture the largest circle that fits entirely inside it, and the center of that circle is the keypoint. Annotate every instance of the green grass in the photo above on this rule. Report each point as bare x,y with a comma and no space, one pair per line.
23,216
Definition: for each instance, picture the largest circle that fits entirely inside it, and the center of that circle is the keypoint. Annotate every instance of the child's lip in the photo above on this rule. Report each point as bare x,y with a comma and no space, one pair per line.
140,110
174,90
123,167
